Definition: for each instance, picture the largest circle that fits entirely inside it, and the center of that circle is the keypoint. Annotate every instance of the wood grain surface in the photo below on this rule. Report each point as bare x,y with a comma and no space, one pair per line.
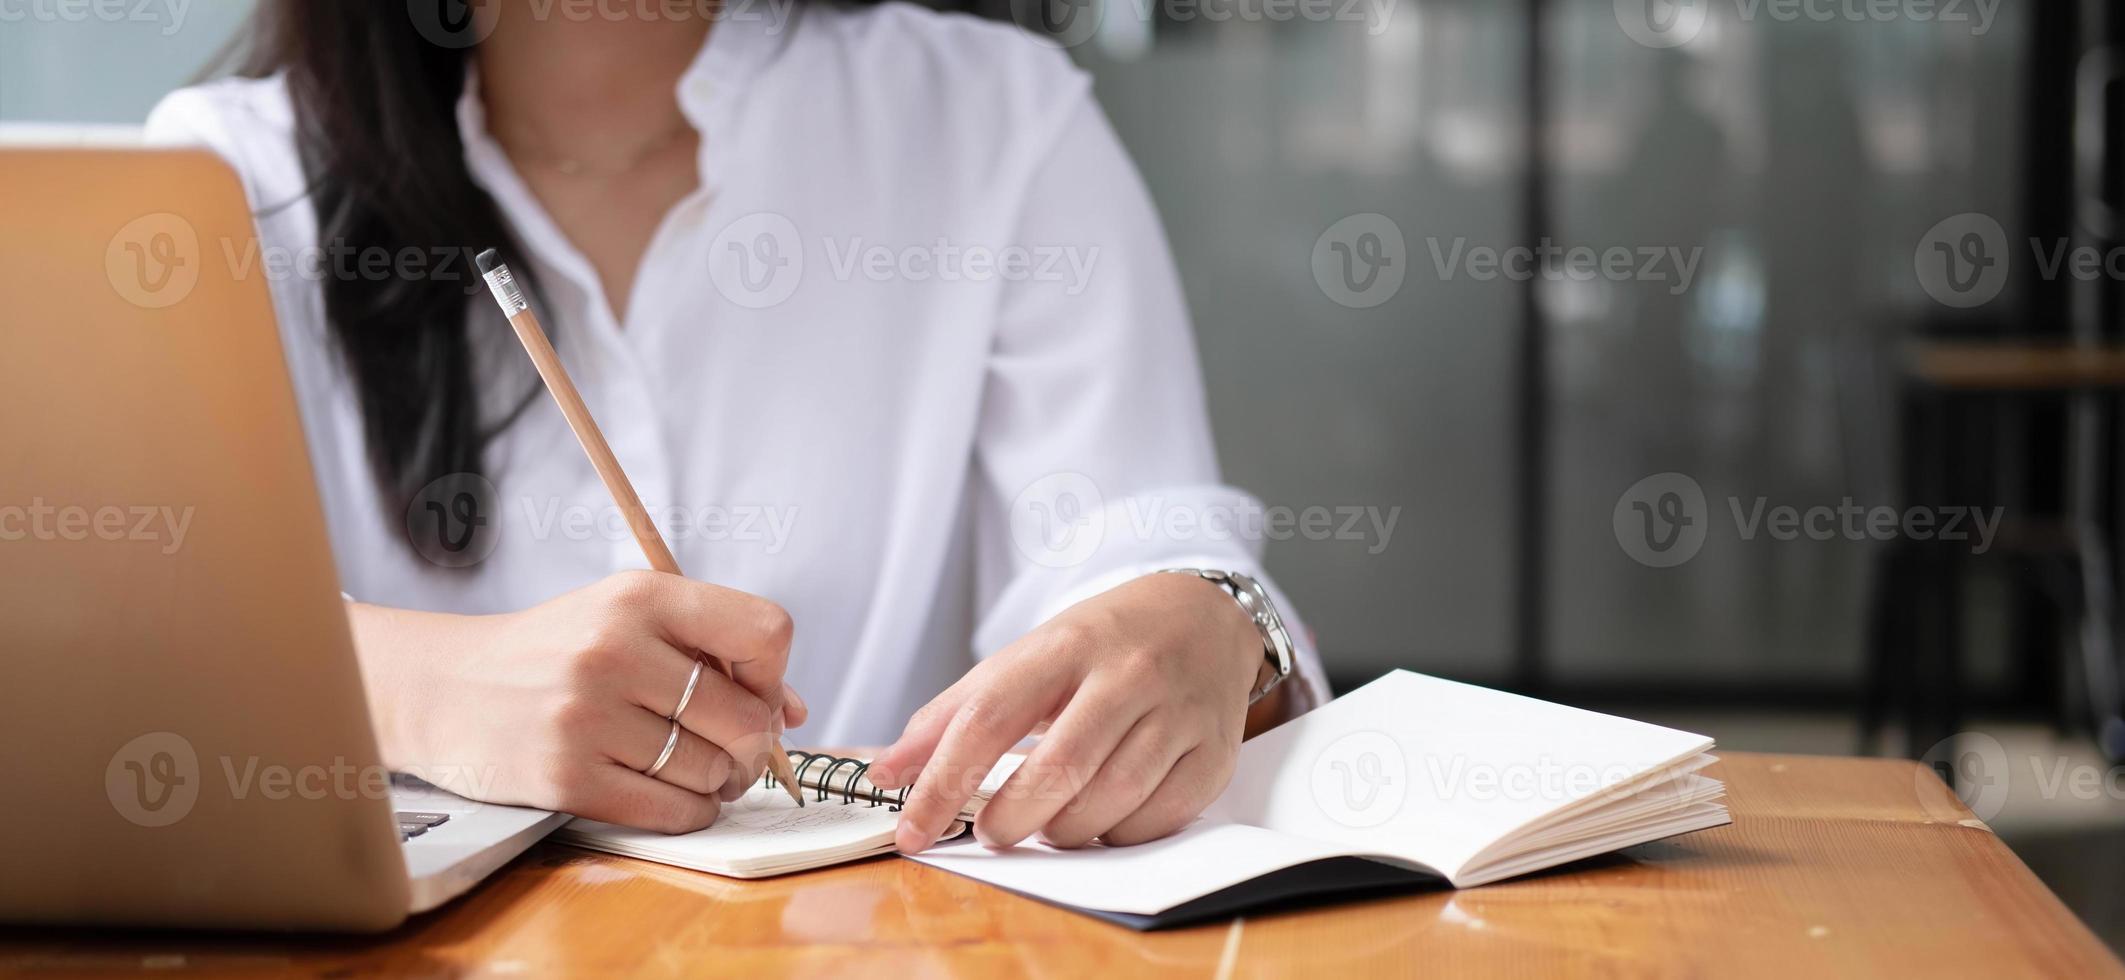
1832,868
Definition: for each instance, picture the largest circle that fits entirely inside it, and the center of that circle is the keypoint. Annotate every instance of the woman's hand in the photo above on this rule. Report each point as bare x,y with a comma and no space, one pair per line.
563,705
1144,693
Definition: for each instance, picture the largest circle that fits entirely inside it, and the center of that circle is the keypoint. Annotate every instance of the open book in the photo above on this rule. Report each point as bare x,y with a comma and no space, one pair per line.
1405,779
764,833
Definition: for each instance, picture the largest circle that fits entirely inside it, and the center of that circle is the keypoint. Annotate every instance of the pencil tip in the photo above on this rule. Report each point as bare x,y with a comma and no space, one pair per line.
487,260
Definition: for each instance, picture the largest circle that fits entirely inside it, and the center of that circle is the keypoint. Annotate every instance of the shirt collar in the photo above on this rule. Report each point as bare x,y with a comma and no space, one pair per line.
709,92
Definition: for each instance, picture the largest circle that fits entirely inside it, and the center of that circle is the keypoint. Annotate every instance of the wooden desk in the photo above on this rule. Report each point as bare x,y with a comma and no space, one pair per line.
2008,366
1833,867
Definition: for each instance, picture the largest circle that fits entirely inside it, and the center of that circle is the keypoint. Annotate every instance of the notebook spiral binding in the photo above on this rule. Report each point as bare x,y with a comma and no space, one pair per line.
833,764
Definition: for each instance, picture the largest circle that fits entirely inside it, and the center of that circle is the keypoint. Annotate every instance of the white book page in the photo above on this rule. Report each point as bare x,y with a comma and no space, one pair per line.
1433,771
1410,769
1144,879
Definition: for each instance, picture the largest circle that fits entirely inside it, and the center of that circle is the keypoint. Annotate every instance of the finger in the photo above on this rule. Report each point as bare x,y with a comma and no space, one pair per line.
1090,729
1195,780
747,632
794,710
987,724
613,793
721,711
696,764
1121,785
902,761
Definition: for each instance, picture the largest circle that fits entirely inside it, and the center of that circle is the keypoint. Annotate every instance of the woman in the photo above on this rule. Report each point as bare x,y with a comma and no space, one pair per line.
878,318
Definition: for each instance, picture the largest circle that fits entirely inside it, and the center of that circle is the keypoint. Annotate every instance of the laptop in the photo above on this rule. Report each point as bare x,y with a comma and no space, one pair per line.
186,742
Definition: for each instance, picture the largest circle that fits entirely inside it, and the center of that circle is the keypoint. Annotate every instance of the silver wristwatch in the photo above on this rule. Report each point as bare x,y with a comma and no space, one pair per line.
1278,658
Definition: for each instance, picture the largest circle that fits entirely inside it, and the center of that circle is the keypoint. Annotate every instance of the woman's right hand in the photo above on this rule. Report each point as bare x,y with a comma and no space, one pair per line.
563,705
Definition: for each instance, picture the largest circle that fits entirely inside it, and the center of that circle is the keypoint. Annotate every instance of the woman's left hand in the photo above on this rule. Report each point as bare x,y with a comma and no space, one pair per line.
1143,691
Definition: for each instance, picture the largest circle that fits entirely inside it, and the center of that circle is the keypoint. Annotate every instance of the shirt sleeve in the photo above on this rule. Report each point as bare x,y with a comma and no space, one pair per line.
1095,458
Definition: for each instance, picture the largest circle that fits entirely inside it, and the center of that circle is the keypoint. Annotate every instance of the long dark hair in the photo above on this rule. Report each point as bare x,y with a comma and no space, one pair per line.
375,97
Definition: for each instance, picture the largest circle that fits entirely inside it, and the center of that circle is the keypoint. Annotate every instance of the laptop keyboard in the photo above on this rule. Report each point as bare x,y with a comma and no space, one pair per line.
412,824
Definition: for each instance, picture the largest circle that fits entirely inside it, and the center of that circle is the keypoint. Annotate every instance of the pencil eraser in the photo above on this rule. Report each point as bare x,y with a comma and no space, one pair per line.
487,260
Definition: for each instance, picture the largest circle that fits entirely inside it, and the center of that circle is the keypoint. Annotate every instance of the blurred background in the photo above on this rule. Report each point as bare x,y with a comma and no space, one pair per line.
1571,300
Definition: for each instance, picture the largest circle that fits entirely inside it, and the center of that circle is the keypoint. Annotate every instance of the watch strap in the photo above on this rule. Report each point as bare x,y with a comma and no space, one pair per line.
1279,658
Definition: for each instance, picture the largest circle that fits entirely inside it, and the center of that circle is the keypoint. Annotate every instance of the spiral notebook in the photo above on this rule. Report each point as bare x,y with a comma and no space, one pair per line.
1409,781
764,833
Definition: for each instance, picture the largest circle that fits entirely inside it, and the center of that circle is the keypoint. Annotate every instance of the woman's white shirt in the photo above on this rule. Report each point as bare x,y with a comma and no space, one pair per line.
913,362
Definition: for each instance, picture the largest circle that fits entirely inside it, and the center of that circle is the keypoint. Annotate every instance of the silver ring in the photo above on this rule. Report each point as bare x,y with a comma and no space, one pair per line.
671,742
687,695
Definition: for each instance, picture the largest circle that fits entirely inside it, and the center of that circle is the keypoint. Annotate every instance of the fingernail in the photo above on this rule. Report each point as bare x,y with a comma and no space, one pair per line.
909,840
790,694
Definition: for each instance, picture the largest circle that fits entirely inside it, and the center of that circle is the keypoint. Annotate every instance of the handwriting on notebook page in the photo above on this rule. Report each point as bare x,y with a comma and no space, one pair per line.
769,811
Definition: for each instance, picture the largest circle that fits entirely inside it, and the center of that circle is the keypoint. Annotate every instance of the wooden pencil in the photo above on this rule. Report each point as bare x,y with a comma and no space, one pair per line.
548,362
